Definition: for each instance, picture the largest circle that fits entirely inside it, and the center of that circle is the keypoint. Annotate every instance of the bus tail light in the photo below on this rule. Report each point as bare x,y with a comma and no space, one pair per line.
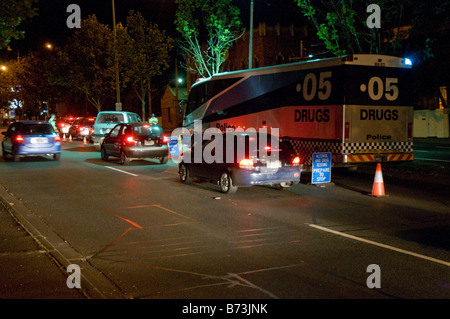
296,161
410,130
347,131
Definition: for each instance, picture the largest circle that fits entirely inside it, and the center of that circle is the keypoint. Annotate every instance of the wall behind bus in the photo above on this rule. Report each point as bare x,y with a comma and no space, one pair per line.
431,123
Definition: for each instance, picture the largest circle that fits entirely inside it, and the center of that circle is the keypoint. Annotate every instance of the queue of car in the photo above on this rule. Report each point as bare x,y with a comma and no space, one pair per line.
123,135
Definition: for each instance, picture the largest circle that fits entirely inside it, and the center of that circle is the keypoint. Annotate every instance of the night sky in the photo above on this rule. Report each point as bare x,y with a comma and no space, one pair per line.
50,24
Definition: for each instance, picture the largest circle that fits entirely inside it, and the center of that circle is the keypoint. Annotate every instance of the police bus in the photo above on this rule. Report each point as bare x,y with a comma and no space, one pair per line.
357,107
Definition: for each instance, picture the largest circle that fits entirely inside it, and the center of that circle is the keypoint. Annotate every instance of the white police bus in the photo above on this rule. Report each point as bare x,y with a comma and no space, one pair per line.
357,107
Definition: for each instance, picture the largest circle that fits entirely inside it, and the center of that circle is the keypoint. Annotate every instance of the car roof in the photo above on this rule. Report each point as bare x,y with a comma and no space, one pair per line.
116,112
34,122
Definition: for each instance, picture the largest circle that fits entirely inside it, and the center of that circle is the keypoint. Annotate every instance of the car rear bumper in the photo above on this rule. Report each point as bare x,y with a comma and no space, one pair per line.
38,151
147,152
243,177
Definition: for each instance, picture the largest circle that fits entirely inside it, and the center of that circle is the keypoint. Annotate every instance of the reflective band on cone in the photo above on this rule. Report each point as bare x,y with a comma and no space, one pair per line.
378,183
70,138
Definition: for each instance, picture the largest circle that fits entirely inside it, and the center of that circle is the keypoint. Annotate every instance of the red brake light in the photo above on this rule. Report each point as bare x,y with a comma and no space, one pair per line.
267,148
165,139
296,161
129,139
246,163
57,138
19,139
347,130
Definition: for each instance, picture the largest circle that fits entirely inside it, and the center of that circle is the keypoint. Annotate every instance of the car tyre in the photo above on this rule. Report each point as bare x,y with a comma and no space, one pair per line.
105,156
56,157
226,183
124,160
16,158
185,176
163,160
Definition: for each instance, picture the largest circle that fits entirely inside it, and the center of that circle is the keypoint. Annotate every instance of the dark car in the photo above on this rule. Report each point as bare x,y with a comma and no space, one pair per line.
133,141
31,138
82,128
241,160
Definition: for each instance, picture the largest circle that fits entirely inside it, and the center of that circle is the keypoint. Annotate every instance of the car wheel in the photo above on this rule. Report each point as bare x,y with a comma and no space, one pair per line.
226,183
105,156
124,160
56,157
4,153
16,157
184,174
283,185
163,160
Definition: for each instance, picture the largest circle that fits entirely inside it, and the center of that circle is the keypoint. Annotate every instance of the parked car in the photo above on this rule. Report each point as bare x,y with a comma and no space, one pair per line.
241,163
134,141
107,120
82,127
30,138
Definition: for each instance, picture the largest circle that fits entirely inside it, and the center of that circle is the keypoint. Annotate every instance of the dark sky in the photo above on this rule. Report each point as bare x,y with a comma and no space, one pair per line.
51,26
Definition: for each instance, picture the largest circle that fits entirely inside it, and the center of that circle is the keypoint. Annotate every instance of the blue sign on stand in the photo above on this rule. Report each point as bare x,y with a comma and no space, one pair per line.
173,146
321,169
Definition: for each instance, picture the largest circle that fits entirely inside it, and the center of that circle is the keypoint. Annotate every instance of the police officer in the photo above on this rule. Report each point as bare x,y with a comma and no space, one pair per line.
52,121
153,120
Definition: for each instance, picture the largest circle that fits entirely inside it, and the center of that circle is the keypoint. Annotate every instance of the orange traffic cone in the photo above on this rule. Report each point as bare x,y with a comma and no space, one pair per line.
64,137
378,183
70,138
84,140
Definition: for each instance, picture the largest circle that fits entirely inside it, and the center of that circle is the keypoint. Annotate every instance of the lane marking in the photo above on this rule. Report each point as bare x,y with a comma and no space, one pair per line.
119,170
431,159
407,252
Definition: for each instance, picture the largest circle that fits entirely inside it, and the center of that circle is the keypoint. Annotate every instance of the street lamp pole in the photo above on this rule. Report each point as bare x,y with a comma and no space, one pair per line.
250,44
118,104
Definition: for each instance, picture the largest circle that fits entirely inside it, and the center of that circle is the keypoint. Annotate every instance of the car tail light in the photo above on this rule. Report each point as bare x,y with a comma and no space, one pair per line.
296,161
19,139
129,139
57,138
246,164
165,139
267,148
81,128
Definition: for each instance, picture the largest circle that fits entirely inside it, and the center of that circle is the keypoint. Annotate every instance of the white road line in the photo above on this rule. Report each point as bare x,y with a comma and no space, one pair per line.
442,262
431,159
119,170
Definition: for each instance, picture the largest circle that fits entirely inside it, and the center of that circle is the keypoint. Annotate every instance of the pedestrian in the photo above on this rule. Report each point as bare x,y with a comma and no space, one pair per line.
52,121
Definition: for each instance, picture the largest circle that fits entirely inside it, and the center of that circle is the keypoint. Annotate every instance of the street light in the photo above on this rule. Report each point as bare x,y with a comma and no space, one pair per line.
250,44
3,68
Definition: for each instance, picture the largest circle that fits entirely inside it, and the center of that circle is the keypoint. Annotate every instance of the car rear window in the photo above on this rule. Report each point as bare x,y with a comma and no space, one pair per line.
37,129
147,130
110,118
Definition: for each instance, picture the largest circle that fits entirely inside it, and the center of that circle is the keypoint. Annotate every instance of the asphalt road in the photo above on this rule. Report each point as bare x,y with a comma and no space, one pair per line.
137,232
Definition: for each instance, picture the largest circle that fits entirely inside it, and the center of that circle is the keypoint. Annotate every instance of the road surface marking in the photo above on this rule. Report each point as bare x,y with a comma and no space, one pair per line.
431,159
119,170
442,262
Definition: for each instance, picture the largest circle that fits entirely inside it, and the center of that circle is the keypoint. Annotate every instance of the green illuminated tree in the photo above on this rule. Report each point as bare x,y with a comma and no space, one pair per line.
12,14
208,29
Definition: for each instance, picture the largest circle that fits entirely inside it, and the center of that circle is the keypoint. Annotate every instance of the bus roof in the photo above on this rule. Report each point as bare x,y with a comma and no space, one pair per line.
353,59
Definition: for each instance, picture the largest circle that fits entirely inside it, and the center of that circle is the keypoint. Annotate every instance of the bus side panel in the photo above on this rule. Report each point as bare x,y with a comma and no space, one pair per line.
300,122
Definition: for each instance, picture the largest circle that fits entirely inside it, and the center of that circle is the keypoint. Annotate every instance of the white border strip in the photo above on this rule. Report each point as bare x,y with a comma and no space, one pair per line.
119,170
445,263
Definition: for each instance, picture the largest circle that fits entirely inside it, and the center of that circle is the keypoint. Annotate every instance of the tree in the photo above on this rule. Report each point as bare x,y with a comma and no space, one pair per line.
12,14
145,56
208,29
85,62
342,25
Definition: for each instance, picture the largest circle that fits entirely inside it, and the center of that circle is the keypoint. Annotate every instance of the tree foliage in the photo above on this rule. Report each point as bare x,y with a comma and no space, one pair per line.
85,64
145,56
208,29
12,14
